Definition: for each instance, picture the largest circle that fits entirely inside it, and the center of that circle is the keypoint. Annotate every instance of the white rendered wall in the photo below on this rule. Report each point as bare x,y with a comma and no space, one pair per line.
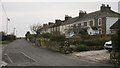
109,22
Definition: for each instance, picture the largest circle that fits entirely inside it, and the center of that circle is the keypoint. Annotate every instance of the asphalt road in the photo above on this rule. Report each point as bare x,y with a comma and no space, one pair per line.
23,53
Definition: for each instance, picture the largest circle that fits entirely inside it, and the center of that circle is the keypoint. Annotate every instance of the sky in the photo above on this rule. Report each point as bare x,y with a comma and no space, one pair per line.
24,13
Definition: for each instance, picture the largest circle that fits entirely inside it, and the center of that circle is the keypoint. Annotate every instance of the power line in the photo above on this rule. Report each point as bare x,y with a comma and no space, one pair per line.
3,9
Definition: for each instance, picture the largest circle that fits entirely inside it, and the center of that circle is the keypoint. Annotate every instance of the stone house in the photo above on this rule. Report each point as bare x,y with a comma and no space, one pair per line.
102,20
97,22
47,28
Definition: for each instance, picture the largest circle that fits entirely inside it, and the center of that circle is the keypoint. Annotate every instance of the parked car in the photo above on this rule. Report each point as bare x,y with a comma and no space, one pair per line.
108,46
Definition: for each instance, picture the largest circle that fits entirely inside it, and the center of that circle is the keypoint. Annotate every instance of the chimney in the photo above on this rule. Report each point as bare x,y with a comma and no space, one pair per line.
57,21
50,23
82,13
108,7
44,25
67,17
103,7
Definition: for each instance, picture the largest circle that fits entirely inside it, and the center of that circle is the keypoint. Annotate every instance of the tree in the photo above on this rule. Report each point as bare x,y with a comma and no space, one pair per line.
27,35
36,28
115,54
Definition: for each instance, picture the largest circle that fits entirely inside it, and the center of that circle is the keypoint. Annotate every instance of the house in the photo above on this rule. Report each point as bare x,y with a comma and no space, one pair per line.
56,26
97,22
66,27
114,28
102,20
47,28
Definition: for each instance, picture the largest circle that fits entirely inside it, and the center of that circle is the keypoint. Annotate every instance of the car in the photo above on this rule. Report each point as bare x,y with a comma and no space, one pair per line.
108,46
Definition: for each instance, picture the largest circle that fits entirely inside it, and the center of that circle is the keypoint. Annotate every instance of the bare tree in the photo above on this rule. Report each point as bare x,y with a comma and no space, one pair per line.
36,28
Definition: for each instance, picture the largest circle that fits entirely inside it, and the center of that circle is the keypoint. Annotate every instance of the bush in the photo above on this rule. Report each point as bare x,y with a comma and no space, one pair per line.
81,47
75,40
8,37
46,35
97,40
58,38
115,54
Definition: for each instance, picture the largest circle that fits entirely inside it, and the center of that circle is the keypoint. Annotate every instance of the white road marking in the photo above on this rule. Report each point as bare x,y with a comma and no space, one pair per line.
28,56
9,58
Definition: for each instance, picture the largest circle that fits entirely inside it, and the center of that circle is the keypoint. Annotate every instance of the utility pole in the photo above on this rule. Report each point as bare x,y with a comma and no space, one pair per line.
8,20
14,31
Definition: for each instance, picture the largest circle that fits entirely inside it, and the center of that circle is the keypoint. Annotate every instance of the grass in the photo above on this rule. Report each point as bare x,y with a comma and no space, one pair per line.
4,42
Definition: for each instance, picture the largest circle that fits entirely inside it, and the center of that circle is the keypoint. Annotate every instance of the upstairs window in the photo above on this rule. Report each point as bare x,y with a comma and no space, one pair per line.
99,21
85,23
79,25
91,23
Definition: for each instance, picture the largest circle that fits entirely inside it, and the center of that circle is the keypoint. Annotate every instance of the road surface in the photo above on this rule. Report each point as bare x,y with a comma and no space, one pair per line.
23,53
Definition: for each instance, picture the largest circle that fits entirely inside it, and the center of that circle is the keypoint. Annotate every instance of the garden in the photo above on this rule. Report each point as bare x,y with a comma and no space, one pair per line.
65,45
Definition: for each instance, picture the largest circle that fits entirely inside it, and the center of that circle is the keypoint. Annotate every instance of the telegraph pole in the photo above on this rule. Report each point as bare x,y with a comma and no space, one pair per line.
7,25
14,30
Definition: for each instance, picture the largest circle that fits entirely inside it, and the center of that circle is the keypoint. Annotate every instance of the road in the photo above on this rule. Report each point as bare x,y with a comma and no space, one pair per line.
23,53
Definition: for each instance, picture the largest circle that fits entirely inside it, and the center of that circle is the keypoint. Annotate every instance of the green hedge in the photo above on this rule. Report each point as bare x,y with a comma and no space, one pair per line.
81,47
58,38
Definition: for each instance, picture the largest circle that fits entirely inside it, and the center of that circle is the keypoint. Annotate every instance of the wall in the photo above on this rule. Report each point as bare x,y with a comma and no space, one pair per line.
109,22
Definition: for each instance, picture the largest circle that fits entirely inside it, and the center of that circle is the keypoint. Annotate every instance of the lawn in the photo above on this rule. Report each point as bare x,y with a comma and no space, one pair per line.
4,42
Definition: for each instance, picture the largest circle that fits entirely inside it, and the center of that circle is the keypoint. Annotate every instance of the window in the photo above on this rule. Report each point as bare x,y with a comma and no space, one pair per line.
79,25
85,23
91,23
100,30
99,21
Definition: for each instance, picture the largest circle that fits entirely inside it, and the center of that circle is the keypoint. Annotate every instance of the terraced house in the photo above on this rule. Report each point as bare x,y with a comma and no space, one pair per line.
97,22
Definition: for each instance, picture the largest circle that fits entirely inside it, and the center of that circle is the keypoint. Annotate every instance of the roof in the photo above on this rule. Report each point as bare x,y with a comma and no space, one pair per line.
98,14
116,24
92,15
94,28
69,21
48,26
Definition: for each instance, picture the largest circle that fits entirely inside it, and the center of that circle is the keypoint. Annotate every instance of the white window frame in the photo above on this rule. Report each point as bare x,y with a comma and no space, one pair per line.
99,30
92,21
99,24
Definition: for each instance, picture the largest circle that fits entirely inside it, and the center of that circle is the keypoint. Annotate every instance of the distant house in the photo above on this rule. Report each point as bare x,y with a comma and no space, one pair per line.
56,26
66,27
115,26
47,28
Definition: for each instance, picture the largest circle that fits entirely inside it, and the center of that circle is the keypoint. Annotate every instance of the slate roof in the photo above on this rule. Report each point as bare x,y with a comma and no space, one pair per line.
71,20
93,15
116,24
98,14
48,26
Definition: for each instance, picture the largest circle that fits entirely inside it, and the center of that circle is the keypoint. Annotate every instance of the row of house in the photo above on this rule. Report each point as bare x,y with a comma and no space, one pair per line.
98,22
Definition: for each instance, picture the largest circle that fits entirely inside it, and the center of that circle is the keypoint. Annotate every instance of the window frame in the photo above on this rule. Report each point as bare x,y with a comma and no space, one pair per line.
85,24
100,32
92,23
99,21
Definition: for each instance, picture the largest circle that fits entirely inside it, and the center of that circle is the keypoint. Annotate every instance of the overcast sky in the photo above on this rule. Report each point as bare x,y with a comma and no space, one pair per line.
26,13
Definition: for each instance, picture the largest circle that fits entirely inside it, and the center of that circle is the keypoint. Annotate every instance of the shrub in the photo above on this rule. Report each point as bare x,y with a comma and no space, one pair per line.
58,38
46,35
115,54
81,47
75,40
10,37
97,40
